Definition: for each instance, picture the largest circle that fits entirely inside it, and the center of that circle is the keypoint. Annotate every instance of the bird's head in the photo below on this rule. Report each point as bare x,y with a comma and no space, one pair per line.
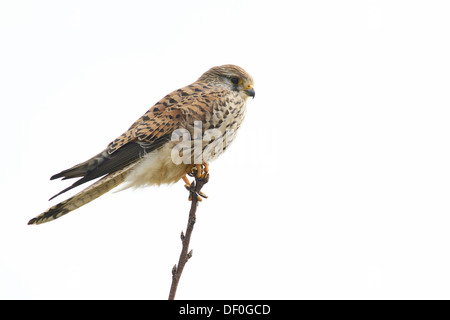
231,76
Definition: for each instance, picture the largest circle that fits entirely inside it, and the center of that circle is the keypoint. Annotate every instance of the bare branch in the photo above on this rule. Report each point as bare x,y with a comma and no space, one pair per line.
177,270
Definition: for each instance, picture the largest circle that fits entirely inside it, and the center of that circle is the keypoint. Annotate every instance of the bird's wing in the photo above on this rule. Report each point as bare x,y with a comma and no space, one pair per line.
148,133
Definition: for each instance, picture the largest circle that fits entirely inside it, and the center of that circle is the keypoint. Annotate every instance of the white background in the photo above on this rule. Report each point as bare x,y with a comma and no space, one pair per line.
337,186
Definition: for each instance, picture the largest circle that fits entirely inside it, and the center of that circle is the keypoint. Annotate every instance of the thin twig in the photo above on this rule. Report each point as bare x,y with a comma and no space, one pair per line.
177,270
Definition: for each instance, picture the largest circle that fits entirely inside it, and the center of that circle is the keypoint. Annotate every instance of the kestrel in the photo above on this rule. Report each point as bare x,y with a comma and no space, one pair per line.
149,153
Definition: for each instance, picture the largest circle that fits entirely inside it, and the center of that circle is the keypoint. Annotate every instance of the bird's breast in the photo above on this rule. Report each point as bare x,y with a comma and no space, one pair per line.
222,127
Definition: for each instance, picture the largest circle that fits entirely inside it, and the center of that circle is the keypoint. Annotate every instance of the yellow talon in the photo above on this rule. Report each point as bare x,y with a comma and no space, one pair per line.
200,171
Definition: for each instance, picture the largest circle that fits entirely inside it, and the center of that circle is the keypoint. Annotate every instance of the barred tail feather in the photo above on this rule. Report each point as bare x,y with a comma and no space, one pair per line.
85,196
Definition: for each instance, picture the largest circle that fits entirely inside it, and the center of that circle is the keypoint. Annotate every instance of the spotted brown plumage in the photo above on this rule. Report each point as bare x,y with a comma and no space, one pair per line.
142,155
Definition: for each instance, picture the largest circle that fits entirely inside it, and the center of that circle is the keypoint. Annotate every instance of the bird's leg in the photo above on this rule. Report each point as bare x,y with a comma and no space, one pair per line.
187,186
186,180
199,171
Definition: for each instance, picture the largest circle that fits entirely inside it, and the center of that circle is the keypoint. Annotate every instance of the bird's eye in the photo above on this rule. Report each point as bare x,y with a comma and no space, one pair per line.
234,80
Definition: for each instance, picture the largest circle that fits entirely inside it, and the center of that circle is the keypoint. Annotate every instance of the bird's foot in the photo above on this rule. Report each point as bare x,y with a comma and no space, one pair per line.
198,194
199,170
193,172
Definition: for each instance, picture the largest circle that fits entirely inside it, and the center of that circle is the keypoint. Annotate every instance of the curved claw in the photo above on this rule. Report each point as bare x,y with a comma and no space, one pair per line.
200,171
198,194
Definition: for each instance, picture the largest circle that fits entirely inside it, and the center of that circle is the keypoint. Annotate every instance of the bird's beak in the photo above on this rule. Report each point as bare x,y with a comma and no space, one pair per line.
250,92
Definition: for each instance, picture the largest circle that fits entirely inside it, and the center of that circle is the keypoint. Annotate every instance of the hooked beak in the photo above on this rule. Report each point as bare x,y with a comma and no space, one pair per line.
250,92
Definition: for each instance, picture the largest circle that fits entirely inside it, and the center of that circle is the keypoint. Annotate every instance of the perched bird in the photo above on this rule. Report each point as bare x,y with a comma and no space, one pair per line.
208,112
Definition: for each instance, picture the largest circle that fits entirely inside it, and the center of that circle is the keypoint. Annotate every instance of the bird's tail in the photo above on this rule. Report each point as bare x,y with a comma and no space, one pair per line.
92,192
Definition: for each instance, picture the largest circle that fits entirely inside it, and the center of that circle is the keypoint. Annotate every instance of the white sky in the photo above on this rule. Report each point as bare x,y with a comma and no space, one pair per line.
337,186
